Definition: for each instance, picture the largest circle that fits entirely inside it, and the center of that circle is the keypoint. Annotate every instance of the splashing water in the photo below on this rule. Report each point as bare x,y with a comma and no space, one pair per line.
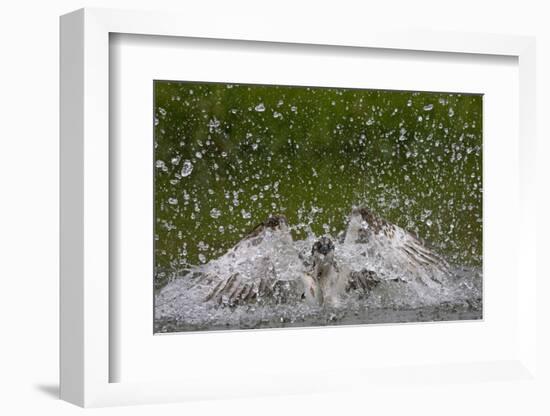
181,305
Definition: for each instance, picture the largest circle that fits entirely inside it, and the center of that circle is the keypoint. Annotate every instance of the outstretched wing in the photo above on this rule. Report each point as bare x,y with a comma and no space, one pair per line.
394,248
402,251
238,290
263,266
419,254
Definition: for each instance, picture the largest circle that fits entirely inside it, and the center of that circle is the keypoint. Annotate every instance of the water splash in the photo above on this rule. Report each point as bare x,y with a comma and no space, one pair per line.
401,296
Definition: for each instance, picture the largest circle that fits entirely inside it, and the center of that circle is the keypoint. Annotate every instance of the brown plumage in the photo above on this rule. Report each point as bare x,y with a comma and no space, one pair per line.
273,222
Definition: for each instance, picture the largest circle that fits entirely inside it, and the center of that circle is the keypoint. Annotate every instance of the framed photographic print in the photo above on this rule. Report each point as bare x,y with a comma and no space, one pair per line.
232,201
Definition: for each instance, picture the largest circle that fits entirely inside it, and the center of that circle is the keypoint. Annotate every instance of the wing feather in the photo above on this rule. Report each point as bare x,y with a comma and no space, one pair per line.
252,271
395,247
236,290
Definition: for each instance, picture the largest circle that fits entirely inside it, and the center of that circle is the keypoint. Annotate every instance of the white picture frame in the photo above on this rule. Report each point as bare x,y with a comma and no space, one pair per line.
85,220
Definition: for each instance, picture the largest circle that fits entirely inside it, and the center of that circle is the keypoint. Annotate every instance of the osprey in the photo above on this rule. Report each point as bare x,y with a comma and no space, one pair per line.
266,265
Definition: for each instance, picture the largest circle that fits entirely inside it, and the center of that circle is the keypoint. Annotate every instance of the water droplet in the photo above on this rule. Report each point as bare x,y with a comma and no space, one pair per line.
187,168
213,125
451,112
159,164
428,107
198,155
215,213
420,118
162,111
172,201
202,258
260,108
246,215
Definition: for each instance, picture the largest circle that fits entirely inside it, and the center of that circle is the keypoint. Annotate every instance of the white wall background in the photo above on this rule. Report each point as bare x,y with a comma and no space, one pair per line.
29,198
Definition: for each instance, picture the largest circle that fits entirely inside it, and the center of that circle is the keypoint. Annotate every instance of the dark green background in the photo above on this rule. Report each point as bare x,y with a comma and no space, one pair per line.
414,158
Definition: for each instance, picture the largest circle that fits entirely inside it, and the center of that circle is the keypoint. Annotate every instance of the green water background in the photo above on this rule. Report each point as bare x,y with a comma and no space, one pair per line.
414,158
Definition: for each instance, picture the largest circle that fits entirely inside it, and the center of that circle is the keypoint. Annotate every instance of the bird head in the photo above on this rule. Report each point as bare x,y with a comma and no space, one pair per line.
324,247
